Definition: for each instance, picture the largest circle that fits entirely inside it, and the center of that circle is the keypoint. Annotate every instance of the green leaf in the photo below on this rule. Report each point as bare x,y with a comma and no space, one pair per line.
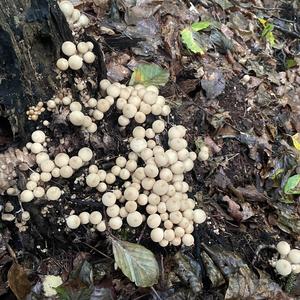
149,74
136,262
292,186
290,63
191,39
200,25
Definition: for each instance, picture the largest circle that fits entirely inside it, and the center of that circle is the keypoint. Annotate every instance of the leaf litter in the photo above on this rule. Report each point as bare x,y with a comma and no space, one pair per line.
231,71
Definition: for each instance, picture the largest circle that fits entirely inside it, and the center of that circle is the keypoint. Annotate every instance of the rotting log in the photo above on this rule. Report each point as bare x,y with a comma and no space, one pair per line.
31,32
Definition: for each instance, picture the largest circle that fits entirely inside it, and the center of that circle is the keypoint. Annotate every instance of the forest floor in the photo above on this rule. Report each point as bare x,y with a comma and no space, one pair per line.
241,97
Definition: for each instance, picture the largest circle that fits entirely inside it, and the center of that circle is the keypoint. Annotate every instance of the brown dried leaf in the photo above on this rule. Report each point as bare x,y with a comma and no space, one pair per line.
18,281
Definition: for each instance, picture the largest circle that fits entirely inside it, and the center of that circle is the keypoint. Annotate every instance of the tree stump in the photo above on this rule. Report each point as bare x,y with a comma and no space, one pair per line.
31,33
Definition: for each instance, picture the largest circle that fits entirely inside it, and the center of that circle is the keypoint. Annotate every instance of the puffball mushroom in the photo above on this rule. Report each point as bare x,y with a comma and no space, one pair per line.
138,145
283,267
115,223
188,240
92,180
82,47
294,256
36,148
67,8
104,84
26,196
38,136
53,193
68,48
47,165
283,248
160,187
38,192
89,57
131,193
84,217
75,162
134,219
73,221
62,64
113,211
157,234
85,154
158,126
76,118
199,216
84,22
203,154
109,199
95,217
101,227
113,90
75,62
153,221
66,172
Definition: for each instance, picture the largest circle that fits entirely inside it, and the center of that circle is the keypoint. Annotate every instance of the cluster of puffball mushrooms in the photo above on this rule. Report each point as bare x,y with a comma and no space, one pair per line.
152,189
289,261
73,16
77,55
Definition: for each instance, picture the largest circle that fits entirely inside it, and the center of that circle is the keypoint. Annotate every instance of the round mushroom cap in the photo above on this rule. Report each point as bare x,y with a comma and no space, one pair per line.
294,256
129,110
36,148
84,217
26,196
95,217
75,106
38,192
199,216
154,221
68,48
67,8
104,84
158,126
38,136
66,172
73,221
76,118
131,193
283,248
283,267
134,219
75,162
47,165
84,22
62,64
175,217
169,235
137,145
113,90
160,187
61,159
115,223
101,226
53,193
188,240
131,206
109,199
157,235
85,154
75,62
113,211
92,180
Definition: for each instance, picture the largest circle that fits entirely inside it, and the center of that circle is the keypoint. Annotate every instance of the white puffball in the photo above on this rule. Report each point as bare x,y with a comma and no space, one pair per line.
75,62
283,248
89,57
26,196
138,145
62,64
68,48
73,222
134,219
85,154
53,193
76,118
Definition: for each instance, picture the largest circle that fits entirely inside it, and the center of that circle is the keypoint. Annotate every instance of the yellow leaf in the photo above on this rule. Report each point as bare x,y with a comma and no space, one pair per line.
262,21
296,141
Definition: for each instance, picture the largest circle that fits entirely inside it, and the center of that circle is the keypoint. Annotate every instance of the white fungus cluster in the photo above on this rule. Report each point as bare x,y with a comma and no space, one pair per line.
77,55
34,112
289,261
135,102
154,189
62,165
73,16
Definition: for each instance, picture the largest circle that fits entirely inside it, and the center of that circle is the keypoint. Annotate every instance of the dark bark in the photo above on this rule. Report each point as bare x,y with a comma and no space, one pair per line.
31,33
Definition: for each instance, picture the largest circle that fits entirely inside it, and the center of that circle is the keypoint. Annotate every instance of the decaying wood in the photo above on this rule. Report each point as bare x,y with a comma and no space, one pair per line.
31,32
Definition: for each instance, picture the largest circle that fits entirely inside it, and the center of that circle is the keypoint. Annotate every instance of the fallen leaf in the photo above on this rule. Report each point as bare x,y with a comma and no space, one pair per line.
136,262
200,25
292,185
225,4
192,40
296,140
149,74
213,83
18,281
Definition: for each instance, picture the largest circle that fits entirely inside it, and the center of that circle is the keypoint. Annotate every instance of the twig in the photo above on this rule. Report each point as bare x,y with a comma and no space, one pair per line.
95,249
290,33
155,292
